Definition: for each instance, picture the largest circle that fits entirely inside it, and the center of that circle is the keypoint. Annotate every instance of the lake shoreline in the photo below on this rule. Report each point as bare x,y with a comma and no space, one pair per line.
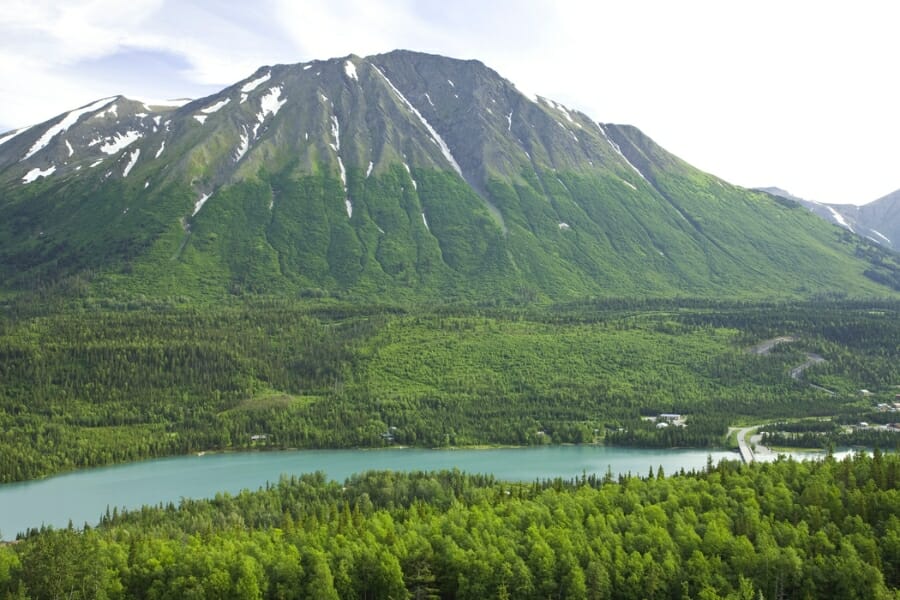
266,449
89,492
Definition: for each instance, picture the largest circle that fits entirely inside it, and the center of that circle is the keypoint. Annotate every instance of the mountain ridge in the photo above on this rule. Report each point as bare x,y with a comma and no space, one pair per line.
868,220
395,176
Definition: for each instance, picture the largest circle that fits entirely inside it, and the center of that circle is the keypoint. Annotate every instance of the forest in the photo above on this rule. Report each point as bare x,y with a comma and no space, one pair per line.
808,530
98,382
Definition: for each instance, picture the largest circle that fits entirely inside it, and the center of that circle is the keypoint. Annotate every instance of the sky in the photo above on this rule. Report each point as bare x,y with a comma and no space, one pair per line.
796,94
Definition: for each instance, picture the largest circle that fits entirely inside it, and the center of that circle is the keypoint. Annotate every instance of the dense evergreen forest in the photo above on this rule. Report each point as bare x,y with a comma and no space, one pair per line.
779,530
93,383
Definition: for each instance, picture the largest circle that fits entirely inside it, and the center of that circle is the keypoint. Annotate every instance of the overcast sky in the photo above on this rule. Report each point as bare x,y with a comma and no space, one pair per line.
798,94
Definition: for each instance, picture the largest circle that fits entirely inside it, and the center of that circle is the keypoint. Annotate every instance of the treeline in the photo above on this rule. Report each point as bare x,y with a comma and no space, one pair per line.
102,381
832,434
805,426
700,431
869,438
779,530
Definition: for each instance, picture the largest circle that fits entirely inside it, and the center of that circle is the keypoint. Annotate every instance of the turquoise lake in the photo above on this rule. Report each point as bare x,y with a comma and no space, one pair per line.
83,496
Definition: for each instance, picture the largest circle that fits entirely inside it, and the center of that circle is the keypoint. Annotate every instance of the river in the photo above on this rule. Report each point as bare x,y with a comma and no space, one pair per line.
83,496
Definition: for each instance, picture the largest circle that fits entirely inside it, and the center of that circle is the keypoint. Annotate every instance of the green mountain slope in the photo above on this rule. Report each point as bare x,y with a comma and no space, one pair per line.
401,177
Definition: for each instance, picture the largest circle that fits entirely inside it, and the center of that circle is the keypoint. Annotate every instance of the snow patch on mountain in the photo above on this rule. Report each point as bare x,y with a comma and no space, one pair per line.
369,170
839,218
567,130
427,97
13,134
564,111
270,104
882,236
629,184
445,149
242,148
36,172
201,118
214,107
66,122
69,148
349,206
415,185
618,151
131,162
119,141
199,203
564,226
509,121
425,222
335,133
161,148
255,83
350,70
343,173
112,110
95,163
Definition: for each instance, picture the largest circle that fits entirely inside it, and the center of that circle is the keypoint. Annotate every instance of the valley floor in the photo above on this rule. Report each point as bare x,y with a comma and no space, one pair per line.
98,383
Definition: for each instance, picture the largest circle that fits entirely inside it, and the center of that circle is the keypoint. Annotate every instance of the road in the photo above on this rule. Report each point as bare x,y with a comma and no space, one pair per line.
766,346
811,359
744,445
763,348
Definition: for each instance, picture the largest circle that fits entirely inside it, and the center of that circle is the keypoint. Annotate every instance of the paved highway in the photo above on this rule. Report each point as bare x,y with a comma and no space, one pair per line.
744,445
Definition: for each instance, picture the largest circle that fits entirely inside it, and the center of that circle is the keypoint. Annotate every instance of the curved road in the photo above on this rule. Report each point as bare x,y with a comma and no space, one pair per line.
764,348
811,359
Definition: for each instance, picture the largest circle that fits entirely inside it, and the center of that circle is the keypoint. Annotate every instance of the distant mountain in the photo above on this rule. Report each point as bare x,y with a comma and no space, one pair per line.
882,218
878,221
400,176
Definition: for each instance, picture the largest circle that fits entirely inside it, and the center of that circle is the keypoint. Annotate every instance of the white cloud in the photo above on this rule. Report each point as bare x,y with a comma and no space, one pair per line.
45,44
62,33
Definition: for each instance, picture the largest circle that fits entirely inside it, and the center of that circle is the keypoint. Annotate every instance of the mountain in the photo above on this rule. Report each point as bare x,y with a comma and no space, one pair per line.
882,219
869,220
399,176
